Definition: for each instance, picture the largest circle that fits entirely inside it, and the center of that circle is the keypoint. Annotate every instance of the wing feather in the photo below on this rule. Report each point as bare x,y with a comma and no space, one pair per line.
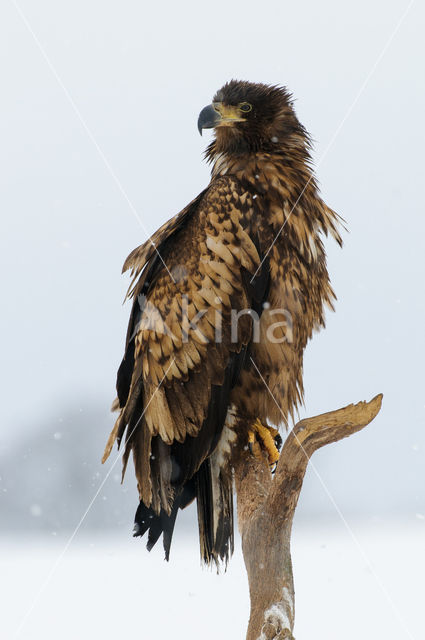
177,361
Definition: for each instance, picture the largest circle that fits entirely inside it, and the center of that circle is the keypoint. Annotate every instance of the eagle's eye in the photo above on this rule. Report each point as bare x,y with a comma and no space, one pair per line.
245,107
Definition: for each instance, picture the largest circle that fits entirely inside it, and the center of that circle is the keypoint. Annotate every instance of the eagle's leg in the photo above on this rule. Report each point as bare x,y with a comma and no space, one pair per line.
269,439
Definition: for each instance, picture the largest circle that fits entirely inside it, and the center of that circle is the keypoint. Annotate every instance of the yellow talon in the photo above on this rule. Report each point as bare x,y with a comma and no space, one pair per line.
267,436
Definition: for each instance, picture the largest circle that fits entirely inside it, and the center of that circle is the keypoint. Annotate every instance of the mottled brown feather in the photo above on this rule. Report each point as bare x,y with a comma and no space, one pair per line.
261,220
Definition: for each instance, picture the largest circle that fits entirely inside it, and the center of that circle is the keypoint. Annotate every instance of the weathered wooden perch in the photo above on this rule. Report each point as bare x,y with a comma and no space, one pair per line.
266,507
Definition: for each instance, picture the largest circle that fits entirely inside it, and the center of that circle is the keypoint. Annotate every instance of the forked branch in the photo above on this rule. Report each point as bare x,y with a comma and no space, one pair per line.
266,507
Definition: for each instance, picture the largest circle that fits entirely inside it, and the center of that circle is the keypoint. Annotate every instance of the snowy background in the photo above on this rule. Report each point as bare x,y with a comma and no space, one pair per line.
99,102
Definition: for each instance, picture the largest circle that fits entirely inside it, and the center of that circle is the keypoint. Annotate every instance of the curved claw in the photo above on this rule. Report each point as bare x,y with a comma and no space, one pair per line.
278,441
270,440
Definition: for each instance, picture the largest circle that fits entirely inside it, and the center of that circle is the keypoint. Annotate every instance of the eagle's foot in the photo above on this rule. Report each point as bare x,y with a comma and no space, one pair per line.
268,438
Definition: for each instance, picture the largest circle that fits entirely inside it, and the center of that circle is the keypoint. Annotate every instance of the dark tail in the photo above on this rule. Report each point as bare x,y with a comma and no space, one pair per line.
147,520
214,494
215,513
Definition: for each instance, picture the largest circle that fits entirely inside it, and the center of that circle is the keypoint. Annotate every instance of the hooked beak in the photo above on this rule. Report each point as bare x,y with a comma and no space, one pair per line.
208,118
218,115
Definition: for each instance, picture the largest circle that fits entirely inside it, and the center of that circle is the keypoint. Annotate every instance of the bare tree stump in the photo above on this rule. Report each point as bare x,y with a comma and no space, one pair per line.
266,507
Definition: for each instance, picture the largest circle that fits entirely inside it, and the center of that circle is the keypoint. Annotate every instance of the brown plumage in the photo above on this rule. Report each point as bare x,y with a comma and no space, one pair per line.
189,383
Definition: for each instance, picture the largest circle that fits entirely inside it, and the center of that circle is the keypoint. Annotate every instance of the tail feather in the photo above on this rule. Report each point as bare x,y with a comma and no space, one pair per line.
213,490
147,520
215,513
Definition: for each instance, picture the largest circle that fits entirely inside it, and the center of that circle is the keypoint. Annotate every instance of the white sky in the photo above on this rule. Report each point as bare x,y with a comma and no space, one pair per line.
139,75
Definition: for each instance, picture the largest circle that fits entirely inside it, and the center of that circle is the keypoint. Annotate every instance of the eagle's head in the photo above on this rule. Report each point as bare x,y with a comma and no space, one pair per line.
249,117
